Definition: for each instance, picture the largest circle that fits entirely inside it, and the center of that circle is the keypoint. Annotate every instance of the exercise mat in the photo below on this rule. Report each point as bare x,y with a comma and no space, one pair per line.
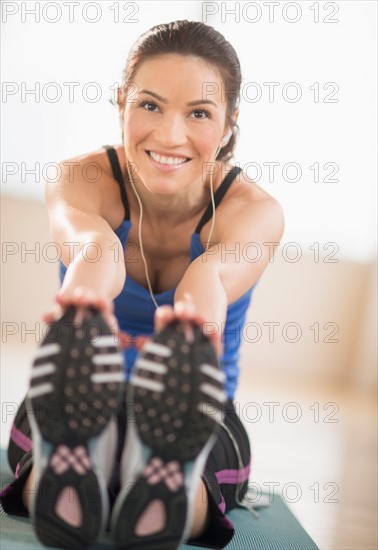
271,527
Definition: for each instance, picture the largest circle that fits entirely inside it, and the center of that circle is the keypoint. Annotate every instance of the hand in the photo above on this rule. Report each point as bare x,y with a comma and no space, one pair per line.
82,298
185,310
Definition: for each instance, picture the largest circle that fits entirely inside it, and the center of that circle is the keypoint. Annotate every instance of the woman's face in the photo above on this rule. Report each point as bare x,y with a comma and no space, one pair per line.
176,108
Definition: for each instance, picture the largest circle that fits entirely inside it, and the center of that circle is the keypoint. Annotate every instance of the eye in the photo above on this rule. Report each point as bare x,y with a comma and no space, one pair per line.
144,103
203,111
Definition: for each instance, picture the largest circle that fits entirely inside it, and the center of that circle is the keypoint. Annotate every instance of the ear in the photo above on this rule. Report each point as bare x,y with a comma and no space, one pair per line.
235,115
121,107
234,118
226,138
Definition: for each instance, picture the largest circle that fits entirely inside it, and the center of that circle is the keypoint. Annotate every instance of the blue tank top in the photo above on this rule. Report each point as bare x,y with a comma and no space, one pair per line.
134,308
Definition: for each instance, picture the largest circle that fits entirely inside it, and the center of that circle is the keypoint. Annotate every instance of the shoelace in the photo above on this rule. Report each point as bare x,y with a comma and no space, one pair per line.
245,502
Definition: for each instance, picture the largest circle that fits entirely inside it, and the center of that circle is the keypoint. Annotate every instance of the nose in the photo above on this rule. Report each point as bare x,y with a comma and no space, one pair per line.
171,131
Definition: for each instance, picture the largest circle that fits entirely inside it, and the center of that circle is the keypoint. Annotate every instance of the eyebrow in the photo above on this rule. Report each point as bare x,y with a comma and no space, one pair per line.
190,103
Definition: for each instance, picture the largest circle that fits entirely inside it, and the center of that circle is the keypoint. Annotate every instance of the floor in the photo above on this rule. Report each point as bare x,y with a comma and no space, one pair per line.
314,446
319,445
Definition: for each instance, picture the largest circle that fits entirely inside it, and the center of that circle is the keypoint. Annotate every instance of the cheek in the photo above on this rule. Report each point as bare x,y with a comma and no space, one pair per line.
207,141
137,127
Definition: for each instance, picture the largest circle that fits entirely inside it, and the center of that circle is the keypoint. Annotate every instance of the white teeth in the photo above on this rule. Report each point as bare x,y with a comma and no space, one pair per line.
167,160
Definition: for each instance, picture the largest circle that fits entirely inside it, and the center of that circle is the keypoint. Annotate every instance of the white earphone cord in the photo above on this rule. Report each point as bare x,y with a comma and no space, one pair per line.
140,224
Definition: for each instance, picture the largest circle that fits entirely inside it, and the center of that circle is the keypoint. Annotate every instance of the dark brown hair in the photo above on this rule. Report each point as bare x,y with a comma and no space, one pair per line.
185,37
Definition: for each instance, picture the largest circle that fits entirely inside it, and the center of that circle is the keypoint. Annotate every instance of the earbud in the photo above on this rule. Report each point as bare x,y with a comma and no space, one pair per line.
226,138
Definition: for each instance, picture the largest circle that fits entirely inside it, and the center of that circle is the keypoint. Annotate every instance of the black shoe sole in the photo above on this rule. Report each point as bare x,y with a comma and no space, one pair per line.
176,391
76,381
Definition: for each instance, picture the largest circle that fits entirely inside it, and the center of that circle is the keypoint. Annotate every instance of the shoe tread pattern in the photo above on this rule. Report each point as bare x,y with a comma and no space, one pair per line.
77,408
69,418
169,421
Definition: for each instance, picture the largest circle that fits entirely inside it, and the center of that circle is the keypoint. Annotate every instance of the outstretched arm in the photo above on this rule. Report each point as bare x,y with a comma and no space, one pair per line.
229,268
87,243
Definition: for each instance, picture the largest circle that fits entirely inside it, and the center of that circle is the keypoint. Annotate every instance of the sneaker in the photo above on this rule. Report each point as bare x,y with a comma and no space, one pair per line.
176,391
76,380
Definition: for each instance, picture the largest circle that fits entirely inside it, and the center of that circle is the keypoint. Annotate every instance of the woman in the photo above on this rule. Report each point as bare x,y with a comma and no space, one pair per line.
185,277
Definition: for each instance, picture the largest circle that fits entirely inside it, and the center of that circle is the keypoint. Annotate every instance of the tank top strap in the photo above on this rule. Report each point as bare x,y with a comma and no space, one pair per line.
218,196
117,173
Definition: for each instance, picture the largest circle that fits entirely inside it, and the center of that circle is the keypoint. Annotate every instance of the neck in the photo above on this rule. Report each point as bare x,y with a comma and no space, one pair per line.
172,210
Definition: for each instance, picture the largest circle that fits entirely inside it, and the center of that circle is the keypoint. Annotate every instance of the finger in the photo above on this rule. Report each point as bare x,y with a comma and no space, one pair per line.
82,297
65,300
184,309
85,298
105,305
163,316
48,317
114,327
61,299
217,343
53,315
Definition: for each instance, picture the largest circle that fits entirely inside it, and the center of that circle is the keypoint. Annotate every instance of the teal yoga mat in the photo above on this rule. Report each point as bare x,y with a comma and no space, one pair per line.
275,528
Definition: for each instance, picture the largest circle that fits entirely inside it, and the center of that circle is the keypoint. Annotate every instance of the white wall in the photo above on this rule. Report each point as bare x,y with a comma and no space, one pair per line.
34,54
306,132
303,132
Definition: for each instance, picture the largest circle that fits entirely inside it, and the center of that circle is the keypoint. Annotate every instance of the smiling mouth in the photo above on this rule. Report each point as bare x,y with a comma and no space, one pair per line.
170,161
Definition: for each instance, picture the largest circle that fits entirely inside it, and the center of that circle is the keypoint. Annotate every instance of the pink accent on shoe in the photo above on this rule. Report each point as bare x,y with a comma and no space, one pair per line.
233,476
61,467
68,508
170,483
64,458
169,473
148,470
79,469
153,519
21,440
86,462
174,482
172,466
154,479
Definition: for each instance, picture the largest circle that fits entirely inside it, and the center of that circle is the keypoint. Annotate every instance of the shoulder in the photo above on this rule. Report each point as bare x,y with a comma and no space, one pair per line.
85,182
248,220
93,165
246,197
